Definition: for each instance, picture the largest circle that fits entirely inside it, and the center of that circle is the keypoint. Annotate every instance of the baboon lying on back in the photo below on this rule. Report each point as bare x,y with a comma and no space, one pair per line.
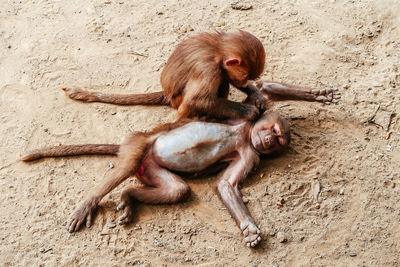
156,158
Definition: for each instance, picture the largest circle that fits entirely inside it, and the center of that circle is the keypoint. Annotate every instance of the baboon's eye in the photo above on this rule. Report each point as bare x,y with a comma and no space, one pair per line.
276,129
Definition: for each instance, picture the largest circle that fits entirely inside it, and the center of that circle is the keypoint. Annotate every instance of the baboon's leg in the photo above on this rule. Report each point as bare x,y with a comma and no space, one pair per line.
160,187
130,157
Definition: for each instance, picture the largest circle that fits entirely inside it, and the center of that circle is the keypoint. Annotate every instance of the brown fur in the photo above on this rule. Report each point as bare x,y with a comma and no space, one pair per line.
71,150
130,156
156,98
96,149
161,185
196,78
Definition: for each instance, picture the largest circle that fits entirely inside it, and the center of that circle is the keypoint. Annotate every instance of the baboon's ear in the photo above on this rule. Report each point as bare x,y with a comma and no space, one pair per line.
232,62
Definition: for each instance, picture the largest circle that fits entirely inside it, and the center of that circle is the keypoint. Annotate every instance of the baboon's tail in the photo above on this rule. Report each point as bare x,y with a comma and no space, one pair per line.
71,150
156,98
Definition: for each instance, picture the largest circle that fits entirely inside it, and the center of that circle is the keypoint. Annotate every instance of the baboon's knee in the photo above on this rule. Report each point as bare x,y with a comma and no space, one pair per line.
179,192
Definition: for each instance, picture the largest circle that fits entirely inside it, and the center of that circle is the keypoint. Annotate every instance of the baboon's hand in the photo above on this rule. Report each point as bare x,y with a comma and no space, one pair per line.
249,112
251,234
83,213
327,95
259,101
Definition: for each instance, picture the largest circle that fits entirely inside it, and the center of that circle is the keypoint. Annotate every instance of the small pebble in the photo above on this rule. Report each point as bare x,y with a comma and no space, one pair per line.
245,200
43,250
352,254
389,148
241,6
341,192
158,243
377,84
111,165
281,237
104,232
272,232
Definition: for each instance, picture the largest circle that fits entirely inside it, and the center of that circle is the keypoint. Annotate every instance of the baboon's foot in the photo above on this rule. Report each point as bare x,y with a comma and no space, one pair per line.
127,215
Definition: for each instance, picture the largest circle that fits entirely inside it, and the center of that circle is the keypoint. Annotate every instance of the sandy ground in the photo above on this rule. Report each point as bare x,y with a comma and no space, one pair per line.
121,46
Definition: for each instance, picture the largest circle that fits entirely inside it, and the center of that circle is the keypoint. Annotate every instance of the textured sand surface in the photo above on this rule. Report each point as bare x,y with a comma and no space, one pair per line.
121,46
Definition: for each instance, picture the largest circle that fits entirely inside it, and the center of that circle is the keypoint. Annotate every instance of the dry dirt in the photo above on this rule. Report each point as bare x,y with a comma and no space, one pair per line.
121,46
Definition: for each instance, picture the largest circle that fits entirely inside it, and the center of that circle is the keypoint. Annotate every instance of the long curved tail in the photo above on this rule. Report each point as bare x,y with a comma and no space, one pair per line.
156,98
71,150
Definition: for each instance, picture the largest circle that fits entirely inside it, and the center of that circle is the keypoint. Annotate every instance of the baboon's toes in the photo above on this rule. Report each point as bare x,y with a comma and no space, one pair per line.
127,214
